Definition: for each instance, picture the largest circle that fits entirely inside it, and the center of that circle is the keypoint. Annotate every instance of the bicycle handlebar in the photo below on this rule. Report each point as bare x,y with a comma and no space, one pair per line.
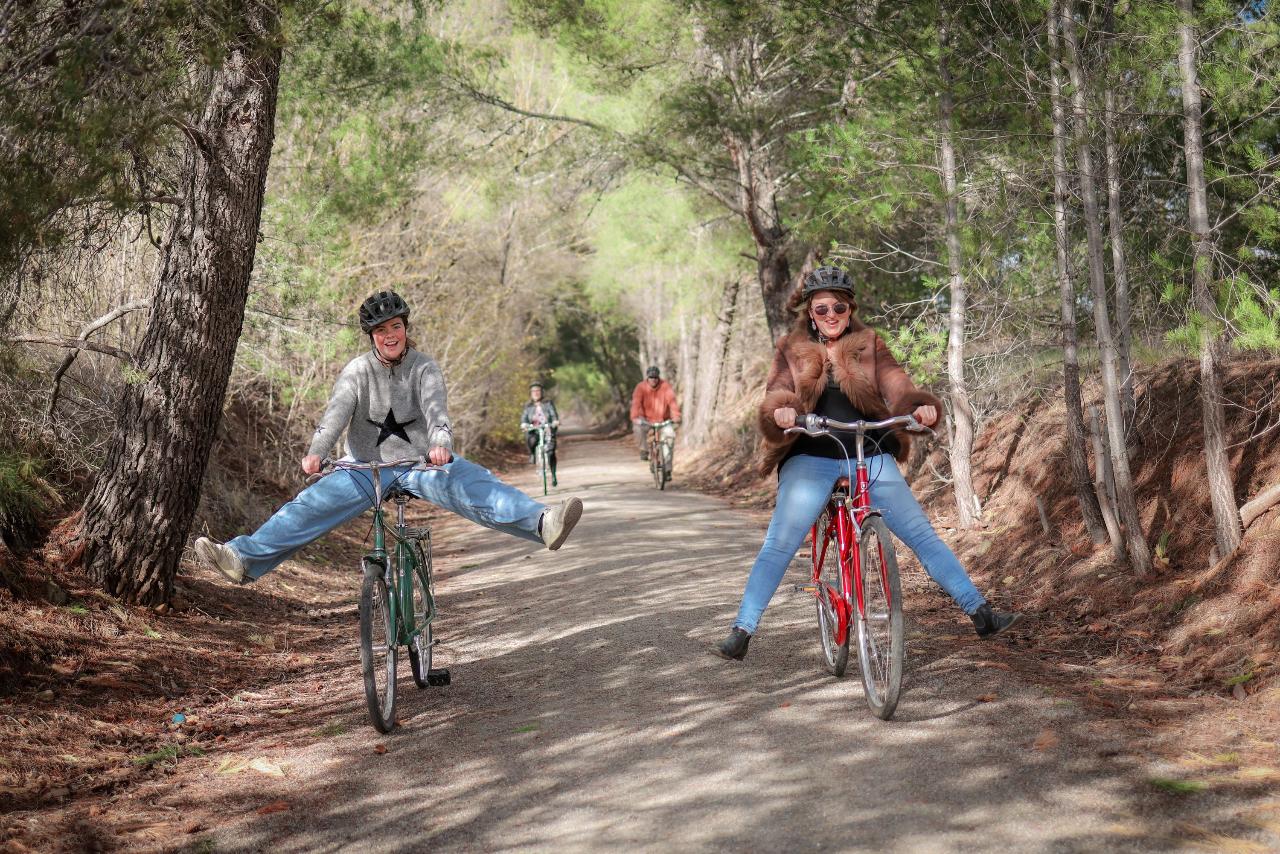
328,466
821,425
647,423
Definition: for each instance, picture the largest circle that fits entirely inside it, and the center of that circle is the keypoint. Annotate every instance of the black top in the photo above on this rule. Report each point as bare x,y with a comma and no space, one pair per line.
834,403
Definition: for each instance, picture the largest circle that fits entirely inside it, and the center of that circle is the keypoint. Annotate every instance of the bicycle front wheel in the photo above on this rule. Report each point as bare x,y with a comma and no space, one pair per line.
423,612
668,457
378,651
880,644
826,562
655,465
542,465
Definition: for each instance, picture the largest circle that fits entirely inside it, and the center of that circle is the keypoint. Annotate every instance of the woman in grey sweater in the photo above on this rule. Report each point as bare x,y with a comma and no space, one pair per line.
391,403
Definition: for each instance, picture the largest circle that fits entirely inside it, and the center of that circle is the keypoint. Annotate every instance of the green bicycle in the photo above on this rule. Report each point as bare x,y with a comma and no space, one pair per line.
397,601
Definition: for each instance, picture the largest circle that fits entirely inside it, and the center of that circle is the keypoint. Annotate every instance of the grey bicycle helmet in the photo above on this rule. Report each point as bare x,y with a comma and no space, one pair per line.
827,279
381,307
653,373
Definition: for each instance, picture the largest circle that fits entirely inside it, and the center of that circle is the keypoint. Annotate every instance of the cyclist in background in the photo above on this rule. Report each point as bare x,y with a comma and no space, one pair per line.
391,403
654,400
832,364
538,412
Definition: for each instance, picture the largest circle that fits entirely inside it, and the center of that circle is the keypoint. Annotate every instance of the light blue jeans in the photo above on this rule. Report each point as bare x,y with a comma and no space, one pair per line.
467,489
804,484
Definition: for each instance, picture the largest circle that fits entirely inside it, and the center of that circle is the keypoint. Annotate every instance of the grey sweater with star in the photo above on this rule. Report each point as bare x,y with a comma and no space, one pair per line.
388,413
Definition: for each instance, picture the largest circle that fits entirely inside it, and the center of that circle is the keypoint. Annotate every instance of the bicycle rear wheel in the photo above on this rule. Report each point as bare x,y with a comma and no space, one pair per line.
880,644
423,610
826,559
378,650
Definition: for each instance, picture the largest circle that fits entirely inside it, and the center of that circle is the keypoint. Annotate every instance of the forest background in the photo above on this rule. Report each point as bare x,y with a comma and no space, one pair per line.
1044,202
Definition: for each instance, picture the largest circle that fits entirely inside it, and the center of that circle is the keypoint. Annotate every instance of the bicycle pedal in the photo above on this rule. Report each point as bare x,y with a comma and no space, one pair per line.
804,588
438,676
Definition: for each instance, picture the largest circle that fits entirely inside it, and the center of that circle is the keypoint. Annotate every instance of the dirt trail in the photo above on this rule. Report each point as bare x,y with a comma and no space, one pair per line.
586,713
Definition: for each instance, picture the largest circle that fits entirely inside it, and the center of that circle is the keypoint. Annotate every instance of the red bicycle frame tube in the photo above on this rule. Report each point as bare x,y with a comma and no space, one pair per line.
848,529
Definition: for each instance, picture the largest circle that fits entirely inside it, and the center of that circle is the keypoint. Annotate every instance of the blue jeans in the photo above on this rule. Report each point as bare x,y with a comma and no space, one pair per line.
804,484
467,489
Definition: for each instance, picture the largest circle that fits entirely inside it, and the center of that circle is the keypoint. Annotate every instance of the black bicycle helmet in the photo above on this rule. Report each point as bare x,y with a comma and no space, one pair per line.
381,307
827,279
653,372
535,384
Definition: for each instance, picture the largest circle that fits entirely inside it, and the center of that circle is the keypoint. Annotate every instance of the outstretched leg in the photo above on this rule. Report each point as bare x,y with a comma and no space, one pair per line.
473,492
317,510
904,516
804,484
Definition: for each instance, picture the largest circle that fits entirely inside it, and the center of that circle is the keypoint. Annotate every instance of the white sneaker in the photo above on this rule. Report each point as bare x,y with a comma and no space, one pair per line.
220,557
558,522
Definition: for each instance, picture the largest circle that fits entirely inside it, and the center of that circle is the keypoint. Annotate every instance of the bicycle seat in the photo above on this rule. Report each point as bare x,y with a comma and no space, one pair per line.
398,492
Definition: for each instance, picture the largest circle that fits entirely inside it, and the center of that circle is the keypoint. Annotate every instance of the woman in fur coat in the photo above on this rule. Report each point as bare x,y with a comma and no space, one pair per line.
834,365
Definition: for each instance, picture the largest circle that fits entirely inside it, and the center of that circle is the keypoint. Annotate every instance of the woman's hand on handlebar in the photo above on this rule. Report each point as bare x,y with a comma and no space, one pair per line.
439,455
784,417
926,415
311,463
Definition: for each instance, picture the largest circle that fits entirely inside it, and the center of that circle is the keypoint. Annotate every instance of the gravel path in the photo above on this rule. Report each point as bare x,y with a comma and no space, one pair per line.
586,713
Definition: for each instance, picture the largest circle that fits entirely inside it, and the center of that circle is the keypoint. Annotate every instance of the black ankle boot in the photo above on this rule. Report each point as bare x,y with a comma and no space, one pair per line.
988,623
734,647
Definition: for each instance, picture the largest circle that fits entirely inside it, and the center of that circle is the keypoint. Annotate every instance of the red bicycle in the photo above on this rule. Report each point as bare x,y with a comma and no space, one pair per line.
855,573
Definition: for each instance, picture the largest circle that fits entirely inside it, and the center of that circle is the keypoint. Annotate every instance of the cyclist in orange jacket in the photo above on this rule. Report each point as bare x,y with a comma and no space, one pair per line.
654,400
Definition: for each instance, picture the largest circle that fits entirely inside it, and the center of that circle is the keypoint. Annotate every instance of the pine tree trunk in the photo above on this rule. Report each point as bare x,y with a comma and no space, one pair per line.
757,196
1126,498
1115,233
1076,456
139,510
961,449
686,368
1227,529
713,360
1104,481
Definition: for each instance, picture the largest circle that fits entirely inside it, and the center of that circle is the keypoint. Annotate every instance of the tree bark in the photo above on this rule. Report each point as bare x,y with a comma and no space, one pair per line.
1076,455
686,368
1115,234
961,449
1126,499
1104,482
712,362
139,510
1227,529
758,199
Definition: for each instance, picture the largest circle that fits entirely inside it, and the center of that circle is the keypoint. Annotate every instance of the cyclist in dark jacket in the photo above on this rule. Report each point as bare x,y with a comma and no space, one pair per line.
536,413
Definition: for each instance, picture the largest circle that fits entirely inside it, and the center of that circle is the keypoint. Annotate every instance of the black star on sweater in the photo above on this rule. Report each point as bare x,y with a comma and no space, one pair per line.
391,427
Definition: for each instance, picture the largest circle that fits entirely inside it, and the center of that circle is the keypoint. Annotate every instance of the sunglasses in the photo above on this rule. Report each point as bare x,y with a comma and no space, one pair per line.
838,308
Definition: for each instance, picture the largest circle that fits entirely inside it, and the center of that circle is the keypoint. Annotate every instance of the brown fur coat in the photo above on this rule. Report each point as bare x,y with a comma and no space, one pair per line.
865,370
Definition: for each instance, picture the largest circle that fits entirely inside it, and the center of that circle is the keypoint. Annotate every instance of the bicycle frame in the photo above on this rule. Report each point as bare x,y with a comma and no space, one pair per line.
408,557
400,583
848,514
847,517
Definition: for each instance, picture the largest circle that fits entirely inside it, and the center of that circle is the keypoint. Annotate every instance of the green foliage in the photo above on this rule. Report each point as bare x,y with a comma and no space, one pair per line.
91,97
920,349
1177,787
1257,326
23,497
589,350
652,243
